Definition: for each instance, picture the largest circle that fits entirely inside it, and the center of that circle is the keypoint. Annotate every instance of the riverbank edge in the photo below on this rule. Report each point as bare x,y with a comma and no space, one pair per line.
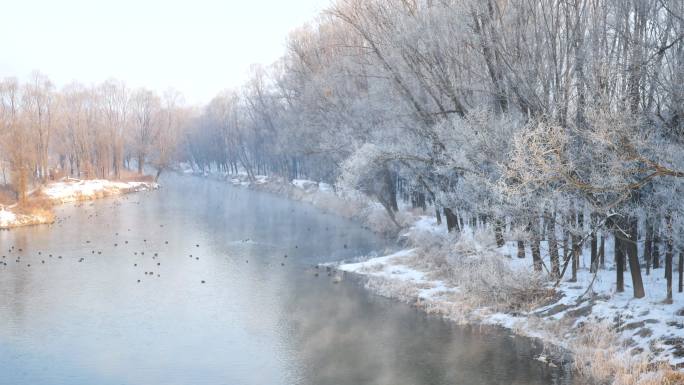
38,209
596,352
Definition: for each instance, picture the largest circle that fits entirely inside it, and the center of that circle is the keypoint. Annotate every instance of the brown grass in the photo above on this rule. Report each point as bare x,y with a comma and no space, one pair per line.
130,176
673,378
36,203
601,359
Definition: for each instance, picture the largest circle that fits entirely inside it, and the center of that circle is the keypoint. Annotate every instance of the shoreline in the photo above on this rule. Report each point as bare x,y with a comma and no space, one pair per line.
610,337
44,198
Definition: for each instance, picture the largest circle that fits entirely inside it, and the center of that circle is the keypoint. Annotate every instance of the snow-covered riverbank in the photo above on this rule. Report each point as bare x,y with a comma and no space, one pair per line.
614,338
72,190
11,217
68,190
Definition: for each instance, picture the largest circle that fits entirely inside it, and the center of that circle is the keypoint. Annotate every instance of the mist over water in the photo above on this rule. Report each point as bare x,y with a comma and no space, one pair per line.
258,318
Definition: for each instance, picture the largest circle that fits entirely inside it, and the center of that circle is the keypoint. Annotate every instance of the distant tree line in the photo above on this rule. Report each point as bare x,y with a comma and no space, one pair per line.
84,131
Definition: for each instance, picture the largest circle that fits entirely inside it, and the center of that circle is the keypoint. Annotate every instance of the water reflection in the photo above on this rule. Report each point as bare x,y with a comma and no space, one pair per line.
259,318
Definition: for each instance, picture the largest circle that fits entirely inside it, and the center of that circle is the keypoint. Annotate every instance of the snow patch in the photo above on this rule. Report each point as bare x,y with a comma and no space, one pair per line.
72,190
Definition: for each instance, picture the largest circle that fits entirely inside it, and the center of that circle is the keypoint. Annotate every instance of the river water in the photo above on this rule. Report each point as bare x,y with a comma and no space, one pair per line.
87,302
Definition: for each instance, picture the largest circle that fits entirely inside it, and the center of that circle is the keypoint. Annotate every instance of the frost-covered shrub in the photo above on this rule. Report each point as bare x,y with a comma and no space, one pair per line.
489,279
377,220
483,275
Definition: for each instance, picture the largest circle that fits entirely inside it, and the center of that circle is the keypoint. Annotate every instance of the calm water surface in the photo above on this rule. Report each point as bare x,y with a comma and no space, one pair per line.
85,319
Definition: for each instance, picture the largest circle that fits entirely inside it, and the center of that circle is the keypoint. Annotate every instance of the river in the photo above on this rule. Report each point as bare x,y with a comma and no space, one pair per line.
190,285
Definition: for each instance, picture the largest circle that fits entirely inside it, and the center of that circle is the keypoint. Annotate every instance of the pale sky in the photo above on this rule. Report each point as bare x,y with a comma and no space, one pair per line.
199,47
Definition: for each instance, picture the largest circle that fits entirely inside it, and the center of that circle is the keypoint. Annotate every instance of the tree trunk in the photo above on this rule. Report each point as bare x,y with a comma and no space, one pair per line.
553,245
565,243
680,268
594,252
521,249
536,250
668,258
634,268
576,247
619,260
141,160
602,251
648,244
451,219
655,253
498,232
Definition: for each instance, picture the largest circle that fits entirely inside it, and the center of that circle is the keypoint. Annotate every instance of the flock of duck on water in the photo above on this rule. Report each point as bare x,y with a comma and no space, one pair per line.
17,252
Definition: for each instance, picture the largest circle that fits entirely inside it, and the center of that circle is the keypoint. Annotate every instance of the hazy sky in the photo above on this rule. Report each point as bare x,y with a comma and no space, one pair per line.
199,47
